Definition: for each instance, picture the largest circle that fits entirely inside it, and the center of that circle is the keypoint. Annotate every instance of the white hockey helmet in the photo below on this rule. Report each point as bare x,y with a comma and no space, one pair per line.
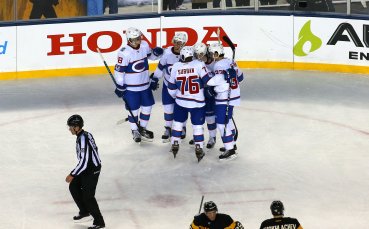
200,50
180,37
133,36
133,33
216,48
186,51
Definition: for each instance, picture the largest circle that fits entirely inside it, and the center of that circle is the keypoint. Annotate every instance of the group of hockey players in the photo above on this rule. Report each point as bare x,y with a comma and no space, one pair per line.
197,80
211,219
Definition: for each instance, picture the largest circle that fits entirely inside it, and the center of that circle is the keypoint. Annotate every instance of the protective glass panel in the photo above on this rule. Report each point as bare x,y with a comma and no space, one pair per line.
136,6
317,6
7,10
359,7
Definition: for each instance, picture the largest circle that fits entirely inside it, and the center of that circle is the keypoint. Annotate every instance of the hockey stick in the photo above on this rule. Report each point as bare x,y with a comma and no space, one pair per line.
125,101
229,92
231,45
122,121
202,199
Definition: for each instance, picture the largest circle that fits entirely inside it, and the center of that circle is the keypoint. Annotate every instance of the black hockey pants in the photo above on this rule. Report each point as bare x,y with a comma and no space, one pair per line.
83,189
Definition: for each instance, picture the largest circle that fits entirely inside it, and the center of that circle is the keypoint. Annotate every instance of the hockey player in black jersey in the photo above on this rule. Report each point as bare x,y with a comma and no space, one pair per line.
84,177
279,221
211,219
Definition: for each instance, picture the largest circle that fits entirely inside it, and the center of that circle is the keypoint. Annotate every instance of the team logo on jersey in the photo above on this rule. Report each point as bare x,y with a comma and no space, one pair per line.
140,66
169,69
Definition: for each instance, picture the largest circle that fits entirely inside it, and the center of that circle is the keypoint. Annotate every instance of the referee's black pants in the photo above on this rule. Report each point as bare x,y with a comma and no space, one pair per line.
83,188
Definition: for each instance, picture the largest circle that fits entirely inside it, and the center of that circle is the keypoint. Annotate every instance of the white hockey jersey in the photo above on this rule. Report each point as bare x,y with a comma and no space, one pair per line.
165,64
186,83
210,67
221,85
132,68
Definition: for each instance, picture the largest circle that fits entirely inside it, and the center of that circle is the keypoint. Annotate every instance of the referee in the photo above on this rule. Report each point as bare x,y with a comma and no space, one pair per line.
84,177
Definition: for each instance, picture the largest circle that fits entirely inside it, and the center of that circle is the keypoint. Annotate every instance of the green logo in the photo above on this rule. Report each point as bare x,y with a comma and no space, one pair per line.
306,35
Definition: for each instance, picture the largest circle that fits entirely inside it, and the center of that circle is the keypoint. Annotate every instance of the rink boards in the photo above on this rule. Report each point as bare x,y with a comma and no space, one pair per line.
262,41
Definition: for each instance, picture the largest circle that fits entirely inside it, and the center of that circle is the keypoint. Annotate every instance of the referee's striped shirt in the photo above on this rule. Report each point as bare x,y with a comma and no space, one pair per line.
87,154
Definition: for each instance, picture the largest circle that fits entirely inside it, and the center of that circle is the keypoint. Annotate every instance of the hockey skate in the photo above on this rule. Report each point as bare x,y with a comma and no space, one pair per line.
199,153
222,149
211,143
136,136
167,134
81,218
175,148
146,135
183,136
191,142
228,155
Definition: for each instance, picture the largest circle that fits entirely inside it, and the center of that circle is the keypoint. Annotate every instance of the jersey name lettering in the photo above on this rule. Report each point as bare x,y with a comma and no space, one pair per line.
285,226
185,71
219,71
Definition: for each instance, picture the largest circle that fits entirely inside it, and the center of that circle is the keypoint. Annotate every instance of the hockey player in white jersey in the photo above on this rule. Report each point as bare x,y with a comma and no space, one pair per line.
226,86
170,57
202,54
186,85
133,83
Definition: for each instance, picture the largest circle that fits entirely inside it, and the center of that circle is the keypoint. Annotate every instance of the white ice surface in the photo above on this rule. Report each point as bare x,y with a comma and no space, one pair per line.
304,139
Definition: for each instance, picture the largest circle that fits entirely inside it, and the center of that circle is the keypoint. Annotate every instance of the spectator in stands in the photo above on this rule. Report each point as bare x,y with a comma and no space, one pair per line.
43,8
199,4
169,4
268,2
95,7
179,5
113,6
311,5
216,3
242,2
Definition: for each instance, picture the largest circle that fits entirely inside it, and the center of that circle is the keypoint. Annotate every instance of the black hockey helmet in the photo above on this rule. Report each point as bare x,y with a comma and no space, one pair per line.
210,206
277,208
75,120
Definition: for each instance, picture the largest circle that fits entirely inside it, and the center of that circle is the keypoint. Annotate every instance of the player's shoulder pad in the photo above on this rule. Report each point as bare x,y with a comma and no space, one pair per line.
217,79
225,62
200,62
219,65
197,219
168,50
290,219
125,51
176,65
144,44
224,216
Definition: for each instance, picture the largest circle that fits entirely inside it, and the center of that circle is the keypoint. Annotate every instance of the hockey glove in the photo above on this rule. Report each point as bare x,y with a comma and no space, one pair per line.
209,92
238,225
154,83
157,51
230,74
120,91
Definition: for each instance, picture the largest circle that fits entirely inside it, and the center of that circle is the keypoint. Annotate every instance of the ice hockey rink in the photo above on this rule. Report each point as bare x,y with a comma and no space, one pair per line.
303,139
